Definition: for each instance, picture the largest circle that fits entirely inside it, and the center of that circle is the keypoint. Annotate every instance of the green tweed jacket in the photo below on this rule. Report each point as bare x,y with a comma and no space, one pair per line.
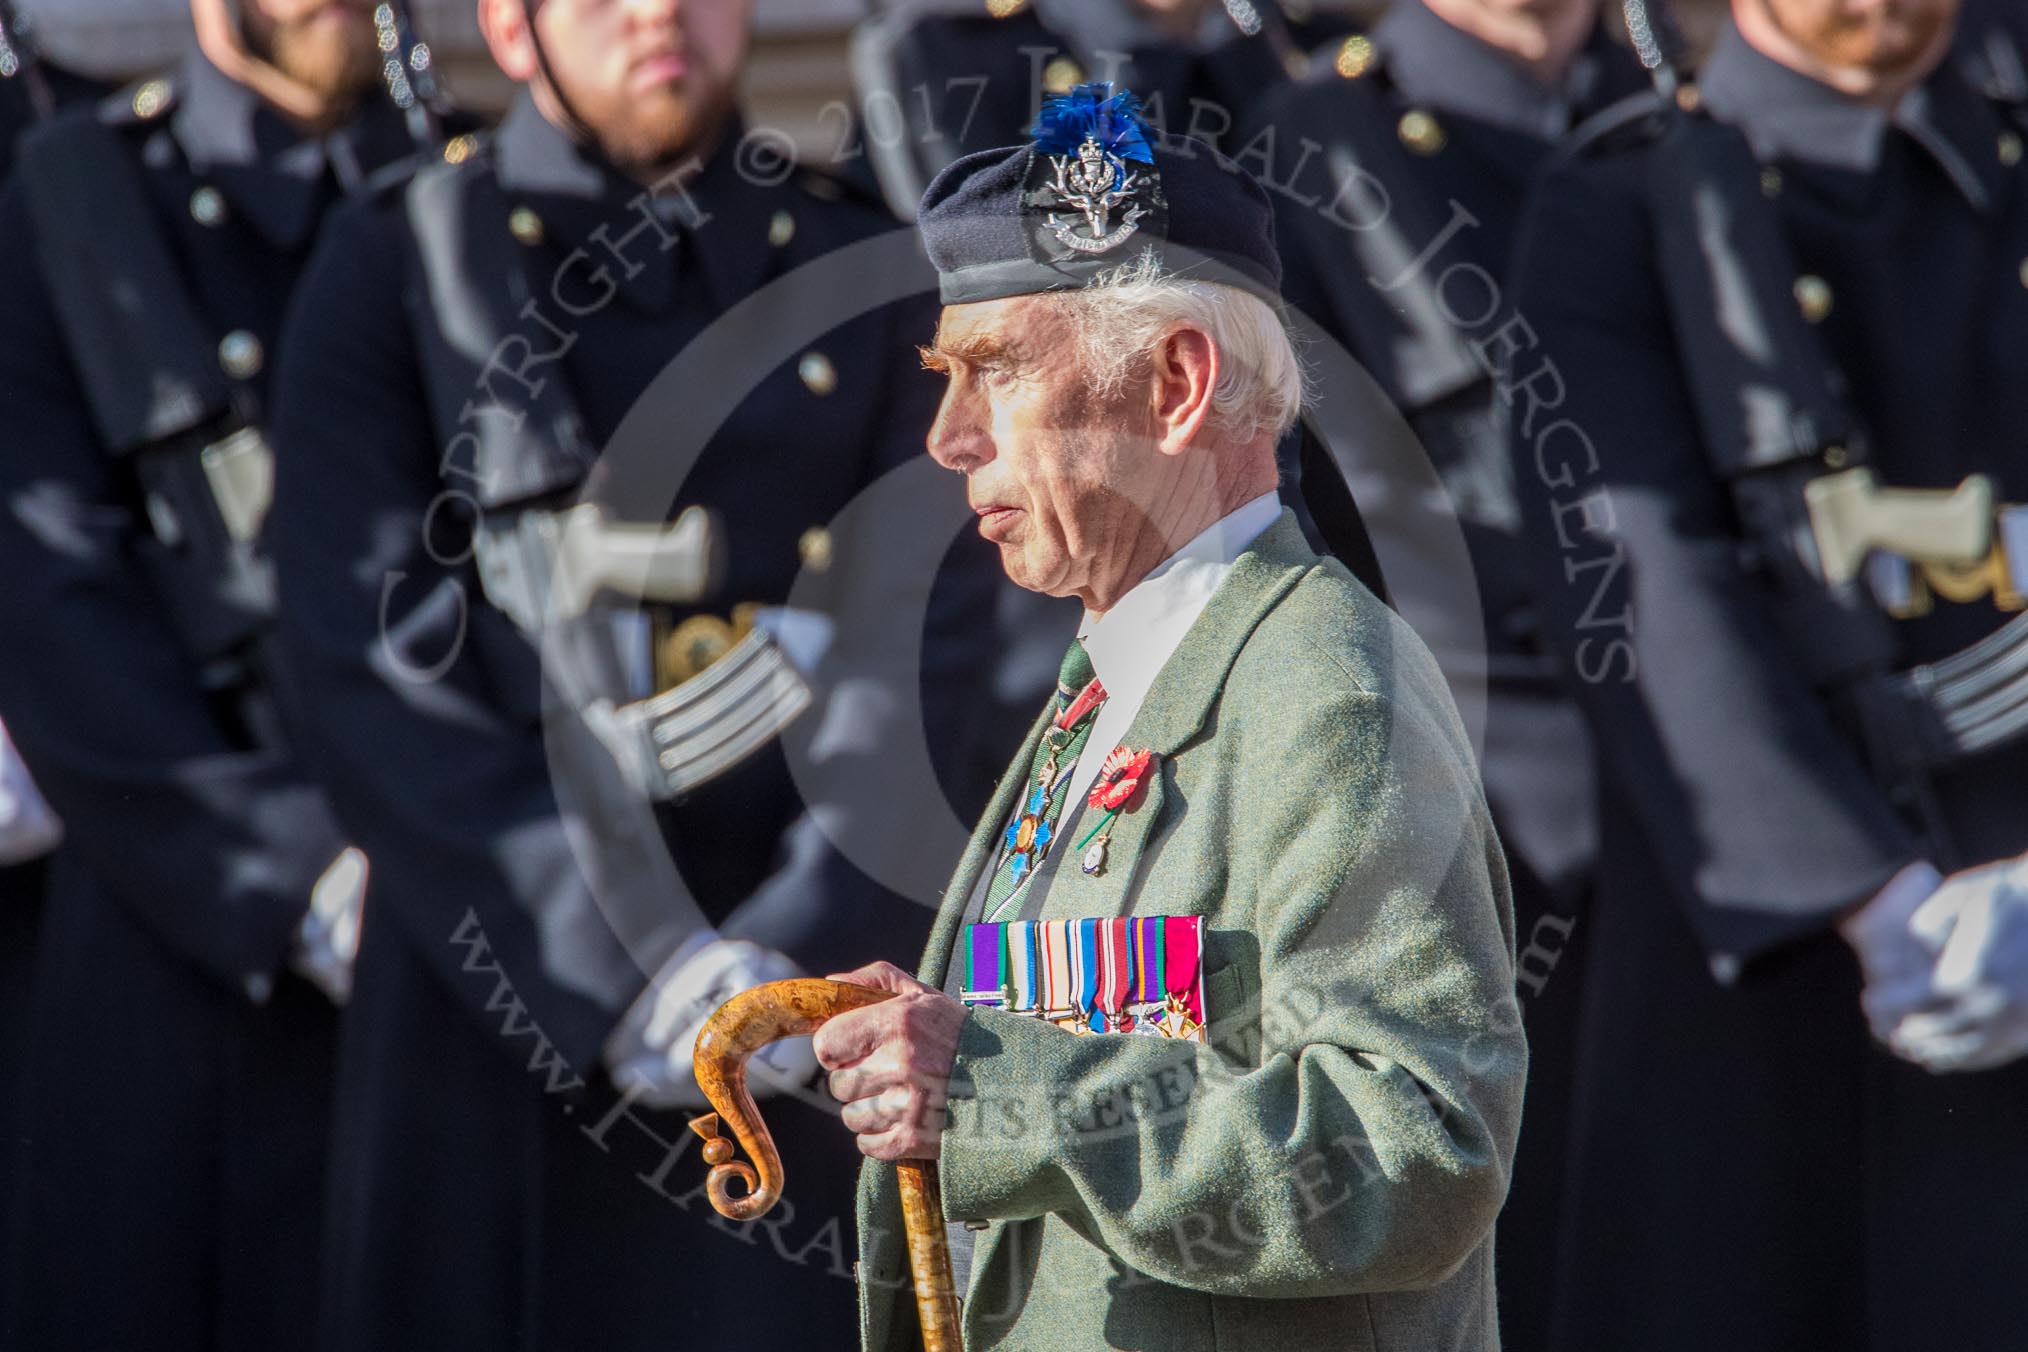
1323,1176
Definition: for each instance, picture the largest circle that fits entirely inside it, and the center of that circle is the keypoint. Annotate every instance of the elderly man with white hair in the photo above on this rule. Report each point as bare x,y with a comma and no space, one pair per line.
1214,1042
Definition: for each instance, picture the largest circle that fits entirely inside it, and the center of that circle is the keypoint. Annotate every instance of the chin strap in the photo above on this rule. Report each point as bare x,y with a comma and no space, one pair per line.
574,124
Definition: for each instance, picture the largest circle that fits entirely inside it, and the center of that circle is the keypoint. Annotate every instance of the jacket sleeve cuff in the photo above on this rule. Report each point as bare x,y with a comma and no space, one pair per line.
1741,943
1001,1134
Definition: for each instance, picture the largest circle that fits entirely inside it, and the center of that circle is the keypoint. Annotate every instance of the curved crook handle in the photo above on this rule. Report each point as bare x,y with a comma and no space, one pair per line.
742,1026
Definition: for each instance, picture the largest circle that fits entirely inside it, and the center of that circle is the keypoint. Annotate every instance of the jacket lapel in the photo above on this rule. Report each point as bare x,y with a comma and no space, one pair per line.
1169,718
879,1200
979,855
1175,711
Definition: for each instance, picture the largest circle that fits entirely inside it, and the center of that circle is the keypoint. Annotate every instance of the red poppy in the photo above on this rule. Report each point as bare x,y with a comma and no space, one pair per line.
1120,779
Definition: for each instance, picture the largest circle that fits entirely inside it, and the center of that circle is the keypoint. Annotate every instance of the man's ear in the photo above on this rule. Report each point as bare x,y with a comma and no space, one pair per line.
504,25
1185,366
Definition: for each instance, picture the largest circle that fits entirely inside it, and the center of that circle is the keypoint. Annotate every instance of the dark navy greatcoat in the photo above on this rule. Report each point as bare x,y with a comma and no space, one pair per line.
19,112
1747,1169
178,1087
21,885
491,1191
1450,130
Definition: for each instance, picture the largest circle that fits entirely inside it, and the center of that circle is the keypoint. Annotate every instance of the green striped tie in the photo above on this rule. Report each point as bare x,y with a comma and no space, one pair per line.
1027,841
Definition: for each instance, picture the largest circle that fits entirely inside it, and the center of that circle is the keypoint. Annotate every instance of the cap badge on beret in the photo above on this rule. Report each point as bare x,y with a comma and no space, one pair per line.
1086,143
1092,187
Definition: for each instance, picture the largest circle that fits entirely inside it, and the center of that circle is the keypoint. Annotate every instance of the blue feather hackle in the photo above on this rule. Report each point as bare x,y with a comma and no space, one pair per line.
1093,110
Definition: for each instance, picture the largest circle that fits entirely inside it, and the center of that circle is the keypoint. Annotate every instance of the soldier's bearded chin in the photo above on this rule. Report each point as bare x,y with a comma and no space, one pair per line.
1879,38
666,127
331,50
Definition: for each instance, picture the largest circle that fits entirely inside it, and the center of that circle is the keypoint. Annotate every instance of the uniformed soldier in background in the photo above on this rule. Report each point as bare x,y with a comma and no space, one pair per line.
178,1090
577,756
1399,168
1770,487
31,90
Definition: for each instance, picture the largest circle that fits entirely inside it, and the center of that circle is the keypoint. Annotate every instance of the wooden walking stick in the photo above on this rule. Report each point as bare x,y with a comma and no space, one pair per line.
741,1027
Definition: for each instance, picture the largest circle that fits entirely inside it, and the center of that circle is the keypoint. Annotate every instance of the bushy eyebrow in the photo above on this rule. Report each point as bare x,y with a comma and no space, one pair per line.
977,349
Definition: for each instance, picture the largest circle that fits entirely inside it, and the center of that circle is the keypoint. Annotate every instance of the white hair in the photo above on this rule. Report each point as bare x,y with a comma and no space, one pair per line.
1122,315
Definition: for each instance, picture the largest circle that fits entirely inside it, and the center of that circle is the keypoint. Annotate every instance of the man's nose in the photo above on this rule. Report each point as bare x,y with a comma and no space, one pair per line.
957,439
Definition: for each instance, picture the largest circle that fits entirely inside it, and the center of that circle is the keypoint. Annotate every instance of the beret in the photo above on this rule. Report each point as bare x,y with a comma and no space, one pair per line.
1096,188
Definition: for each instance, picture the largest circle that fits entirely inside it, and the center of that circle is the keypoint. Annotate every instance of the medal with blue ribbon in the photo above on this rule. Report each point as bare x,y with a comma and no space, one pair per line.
1085,1006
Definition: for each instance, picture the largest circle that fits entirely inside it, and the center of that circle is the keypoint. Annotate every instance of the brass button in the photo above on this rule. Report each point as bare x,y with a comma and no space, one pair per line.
1836,457
150,98
817,185
781,229
1813,297
1355,56
1689,98
526,226
1005,9
814,548
2010,148
818,374
459,149
207,207
694,645
240,355
1421,132
1771,182
1059,75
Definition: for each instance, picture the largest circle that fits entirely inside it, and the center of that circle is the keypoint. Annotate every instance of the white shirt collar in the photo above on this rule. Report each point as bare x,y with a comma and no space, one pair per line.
1130,644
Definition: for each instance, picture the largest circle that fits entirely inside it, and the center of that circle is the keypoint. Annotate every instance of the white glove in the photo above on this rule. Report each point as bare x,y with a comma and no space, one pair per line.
327,940
650,1051
1977,1017
28,829
1896,958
